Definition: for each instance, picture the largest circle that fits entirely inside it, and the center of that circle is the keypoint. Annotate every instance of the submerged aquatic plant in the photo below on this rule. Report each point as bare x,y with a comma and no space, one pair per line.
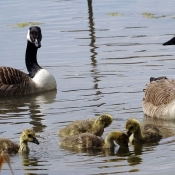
114,14
151,15
25,24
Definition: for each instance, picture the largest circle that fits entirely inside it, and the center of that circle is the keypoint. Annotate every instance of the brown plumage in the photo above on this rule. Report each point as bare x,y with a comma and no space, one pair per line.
94,126
91,141
159,100
28,135
148,134
14,82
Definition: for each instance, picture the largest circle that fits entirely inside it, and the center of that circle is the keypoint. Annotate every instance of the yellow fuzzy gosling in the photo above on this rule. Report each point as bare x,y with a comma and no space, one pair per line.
148,134
91,141
94,126
28,135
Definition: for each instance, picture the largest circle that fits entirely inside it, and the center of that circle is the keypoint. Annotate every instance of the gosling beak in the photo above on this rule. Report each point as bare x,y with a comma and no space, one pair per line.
170,42
128,133
35,141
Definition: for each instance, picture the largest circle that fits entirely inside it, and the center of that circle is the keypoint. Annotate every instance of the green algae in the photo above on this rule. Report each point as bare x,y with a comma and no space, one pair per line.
114,14
151,15
25,24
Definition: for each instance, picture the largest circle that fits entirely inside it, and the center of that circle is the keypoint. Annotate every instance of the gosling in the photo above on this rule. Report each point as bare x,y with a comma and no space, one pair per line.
91,125
148,134
28,135
91,141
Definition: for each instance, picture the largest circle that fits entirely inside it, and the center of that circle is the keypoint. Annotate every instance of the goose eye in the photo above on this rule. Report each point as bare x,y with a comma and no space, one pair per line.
29,135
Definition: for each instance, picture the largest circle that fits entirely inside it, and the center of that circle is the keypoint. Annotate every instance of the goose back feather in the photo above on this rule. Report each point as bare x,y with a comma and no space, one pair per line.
159,96
91,141
15,82
91,125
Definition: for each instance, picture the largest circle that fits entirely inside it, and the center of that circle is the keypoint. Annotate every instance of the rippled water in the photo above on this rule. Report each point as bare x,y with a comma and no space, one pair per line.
102,55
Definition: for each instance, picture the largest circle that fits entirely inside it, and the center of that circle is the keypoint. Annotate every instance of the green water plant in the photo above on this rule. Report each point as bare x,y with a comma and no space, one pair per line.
26,24
151,15
114,14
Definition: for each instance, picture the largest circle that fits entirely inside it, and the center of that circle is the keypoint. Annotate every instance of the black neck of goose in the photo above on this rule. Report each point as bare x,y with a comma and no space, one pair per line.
31,59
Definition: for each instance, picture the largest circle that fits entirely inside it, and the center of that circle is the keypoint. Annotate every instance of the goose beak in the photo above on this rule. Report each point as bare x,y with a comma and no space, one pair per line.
35,141
170,42
37,43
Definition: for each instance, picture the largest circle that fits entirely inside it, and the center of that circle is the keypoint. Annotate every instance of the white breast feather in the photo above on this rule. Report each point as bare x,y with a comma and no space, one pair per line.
169,112
44,80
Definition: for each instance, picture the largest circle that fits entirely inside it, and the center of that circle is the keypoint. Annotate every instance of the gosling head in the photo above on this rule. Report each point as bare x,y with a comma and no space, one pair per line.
105,120
131,126
28,135
34,36
121,138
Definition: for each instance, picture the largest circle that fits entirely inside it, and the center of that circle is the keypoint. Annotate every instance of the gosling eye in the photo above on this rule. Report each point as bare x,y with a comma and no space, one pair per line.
29,135
131,128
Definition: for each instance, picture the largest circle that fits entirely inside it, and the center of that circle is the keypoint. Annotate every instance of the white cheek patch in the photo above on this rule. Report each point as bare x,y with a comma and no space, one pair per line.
28,36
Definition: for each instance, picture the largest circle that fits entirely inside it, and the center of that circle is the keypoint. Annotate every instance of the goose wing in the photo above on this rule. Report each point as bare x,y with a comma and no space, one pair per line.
84,140
160,92
11,147
11,76
151,133
15,82
76,127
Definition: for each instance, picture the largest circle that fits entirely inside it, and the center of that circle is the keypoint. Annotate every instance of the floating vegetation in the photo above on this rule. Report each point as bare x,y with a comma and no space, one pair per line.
152,16
114,14
149,15
25,24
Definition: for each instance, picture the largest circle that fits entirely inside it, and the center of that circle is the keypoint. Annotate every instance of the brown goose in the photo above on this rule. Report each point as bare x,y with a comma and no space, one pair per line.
91,141
94,126
159,100
14,82
148,134
28,135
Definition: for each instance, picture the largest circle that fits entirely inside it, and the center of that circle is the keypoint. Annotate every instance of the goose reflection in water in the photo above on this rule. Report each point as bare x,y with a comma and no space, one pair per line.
15,108
167,127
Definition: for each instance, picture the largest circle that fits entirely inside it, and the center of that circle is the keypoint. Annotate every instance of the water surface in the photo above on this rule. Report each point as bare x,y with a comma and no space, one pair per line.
101,62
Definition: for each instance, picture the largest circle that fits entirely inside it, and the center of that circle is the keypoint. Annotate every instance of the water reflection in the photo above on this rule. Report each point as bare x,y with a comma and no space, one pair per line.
167,127
15,107
27,161
94,70
120,152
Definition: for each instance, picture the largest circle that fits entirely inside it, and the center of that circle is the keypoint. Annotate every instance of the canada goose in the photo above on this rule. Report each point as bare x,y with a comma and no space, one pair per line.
148,134
28,135
94,126
15,82
91,141
159,100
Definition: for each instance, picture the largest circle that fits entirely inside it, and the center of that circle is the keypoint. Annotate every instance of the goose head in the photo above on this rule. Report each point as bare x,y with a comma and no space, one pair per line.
170,42
104,120
34,35
132,126
121,138
28,135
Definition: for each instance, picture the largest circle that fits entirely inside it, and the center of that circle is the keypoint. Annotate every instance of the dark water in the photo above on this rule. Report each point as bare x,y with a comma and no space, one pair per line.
102,55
